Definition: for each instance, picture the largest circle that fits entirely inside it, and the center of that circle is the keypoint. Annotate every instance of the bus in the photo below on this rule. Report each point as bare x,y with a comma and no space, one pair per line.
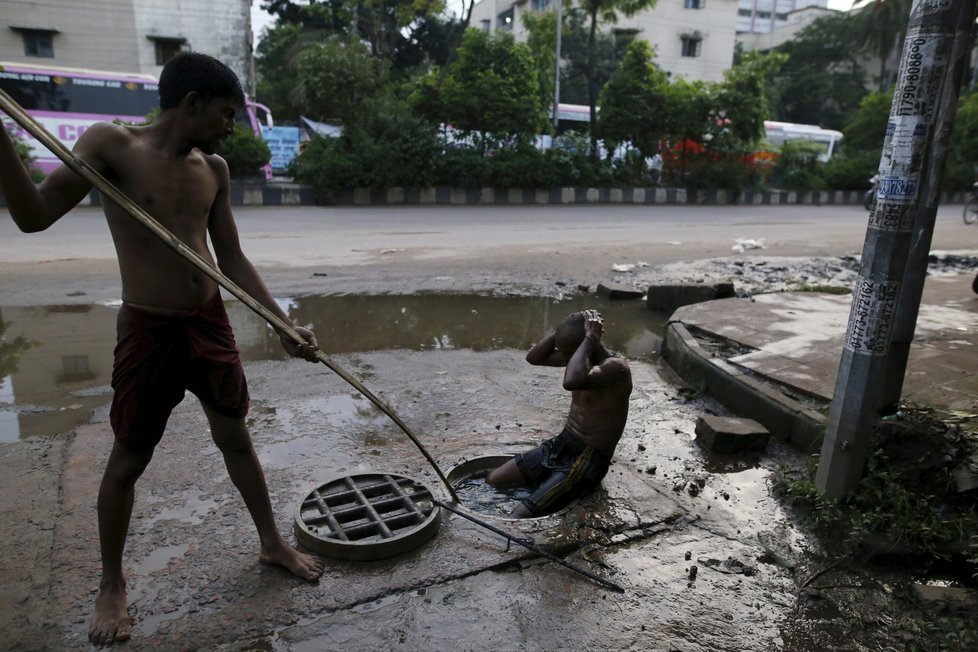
66,101
779,133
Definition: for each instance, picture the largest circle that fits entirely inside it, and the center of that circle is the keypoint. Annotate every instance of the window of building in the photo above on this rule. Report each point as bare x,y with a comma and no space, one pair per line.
505,19
167,47
744,12
764,14
485,24
540,5
694,4
691,46
37,42
74,368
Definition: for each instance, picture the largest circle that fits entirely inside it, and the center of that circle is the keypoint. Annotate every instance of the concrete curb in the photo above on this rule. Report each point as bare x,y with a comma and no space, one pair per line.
793,421
292,194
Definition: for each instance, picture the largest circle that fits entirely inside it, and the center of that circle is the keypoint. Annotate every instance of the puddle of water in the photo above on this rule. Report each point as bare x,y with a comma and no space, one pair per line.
192,511
71,347
159,559
479,496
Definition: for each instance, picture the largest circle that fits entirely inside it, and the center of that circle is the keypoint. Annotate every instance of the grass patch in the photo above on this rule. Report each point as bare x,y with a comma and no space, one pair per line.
907,502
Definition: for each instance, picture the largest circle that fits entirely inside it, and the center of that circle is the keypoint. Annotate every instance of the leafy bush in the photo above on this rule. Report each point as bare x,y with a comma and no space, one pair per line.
707,170
850,171
798,167
386,146
244,152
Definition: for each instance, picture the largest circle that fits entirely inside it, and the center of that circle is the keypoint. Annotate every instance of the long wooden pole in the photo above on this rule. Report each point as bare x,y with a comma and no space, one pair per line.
86,171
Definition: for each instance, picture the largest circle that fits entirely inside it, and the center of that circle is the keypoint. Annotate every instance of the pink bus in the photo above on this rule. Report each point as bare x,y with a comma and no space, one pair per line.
66,101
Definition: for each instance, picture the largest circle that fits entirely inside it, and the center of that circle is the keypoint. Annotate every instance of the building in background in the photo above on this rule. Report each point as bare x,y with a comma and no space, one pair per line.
693,39
130,36
784,31
764,16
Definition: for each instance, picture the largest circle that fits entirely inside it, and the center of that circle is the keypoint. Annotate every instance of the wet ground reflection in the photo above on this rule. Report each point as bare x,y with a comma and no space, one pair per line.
57,360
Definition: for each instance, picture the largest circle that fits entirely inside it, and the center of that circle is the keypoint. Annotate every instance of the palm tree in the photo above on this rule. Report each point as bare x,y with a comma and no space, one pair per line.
883,23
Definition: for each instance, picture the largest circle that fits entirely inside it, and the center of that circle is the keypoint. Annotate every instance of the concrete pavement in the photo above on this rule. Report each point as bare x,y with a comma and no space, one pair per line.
775,357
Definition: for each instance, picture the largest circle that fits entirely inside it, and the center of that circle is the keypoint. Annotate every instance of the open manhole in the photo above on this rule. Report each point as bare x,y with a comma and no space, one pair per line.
468,479
366,517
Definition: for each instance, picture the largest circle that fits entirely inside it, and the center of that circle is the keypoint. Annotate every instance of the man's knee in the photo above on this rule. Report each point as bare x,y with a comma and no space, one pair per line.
231,436
125,464
508,474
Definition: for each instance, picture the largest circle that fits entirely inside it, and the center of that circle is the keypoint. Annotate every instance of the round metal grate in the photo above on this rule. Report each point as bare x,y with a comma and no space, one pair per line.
367,516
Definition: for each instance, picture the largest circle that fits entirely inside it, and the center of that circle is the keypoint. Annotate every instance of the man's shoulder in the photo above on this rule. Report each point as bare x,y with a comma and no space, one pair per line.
616,364
216,163
108,131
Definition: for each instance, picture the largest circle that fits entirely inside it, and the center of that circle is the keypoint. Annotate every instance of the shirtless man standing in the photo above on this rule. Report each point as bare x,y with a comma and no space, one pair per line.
573,463
173,332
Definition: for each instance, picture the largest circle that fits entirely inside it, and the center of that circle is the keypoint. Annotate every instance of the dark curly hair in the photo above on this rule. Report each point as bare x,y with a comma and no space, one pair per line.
194,71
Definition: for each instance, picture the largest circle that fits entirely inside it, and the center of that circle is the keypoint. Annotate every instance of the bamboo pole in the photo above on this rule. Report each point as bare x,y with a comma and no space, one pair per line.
21,117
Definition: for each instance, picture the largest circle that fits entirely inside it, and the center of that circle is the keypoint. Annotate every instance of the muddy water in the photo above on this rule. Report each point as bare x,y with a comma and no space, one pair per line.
56,361
479,496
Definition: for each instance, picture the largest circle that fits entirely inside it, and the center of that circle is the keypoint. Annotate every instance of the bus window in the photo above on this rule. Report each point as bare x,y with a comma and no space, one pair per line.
67,101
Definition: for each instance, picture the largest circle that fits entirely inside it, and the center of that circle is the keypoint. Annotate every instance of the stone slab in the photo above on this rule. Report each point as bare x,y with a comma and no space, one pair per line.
730,434
670,297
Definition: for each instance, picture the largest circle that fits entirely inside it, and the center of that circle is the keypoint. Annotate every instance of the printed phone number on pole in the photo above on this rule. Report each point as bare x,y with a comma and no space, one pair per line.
919,80
871,316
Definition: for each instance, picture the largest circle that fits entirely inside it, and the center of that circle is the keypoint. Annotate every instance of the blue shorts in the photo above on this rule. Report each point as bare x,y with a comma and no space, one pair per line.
561,469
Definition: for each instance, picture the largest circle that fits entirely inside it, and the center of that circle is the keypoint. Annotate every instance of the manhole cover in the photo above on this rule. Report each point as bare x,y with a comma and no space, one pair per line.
367,516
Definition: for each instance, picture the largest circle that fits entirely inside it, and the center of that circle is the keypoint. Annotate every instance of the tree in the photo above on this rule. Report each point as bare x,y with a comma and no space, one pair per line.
859,155
275,64
961,171
633,102
490,91
866,130
397,30
604,11
542,41
741,100
336,75
822,81
883,23
688,109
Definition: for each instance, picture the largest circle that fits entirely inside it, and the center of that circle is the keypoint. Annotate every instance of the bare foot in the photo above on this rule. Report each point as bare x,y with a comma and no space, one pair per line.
282,554
110,622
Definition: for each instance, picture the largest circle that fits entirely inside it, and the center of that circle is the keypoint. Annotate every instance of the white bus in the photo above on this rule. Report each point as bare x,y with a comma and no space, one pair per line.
779,133
67,101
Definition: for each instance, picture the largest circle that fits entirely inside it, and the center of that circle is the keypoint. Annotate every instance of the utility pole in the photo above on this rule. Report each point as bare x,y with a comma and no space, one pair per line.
557,70
886,298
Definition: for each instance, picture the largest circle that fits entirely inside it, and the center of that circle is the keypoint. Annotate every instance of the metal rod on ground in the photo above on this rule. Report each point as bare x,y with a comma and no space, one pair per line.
106,188
534,548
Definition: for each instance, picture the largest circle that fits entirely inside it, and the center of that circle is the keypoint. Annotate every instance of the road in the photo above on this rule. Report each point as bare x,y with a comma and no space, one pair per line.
327,250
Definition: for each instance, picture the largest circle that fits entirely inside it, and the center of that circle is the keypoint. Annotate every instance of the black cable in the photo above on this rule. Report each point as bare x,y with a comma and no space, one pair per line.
533,547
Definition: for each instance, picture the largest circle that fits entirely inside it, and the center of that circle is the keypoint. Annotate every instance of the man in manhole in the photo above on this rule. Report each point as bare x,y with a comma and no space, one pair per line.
173,331
574,462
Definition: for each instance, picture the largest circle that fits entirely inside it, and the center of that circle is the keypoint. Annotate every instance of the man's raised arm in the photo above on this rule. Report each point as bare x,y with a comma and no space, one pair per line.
36,207
544,353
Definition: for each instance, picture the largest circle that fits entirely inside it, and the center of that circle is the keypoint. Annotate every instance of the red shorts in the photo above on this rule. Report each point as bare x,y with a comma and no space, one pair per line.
159,357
